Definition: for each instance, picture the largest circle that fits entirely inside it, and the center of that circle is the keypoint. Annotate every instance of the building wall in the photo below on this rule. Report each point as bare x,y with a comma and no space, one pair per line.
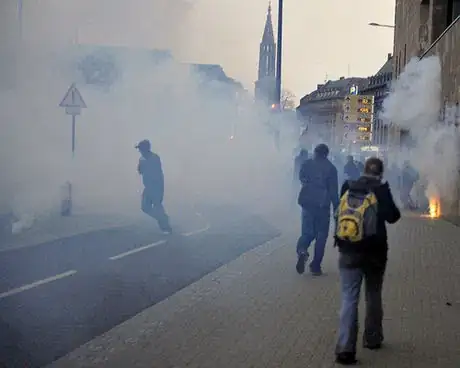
448,49
406,39
418,24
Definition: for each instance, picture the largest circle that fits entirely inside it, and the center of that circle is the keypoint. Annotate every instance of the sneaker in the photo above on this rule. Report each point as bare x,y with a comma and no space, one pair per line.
372,346
316,271
346,359
301,260
167,231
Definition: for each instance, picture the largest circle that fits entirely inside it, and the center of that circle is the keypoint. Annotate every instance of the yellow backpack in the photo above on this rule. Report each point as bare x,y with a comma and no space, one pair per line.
356,216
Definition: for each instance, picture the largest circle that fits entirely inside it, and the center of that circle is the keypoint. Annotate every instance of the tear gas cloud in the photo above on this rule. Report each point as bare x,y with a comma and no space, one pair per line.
414,104
189,125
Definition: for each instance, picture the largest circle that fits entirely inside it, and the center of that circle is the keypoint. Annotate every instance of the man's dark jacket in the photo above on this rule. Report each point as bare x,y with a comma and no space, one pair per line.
372,251
319,184
152,176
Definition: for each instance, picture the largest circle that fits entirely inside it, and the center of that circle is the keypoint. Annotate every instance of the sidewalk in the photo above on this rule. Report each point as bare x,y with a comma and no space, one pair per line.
257,312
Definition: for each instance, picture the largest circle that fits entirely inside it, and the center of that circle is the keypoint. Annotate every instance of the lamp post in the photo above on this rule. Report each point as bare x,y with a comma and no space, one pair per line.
279,52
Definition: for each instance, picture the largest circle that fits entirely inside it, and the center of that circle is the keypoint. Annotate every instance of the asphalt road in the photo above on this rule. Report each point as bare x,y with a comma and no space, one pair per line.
58,295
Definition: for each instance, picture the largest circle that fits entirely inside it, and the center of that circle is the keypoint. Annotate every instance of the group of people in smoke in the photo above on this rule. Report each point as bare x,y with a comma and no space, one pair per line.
361,209
404,179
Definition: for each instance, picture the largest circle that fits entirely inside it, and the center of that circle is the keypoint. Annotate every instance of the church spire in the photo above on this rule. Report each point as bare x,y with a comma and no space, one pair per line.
268,38
265,85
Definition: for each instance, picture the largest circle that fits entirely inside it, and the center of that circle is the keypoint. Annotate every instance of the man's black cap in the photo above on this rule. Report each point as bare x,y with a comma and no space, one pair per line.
143,145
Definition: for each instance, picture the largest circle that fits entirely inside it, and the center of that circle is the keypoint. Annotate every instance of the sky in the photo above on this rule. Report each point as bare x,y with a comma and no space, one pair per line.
327,37
322,39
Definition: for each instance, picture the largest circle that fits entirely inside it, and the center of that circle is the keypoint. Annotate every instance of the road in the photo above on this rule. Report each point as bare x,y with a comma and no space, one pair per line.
58,295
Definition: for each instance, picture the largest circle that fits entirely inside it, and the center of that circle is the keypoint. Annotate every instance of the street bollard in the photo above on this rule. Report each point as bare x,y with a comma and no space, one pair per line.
66,201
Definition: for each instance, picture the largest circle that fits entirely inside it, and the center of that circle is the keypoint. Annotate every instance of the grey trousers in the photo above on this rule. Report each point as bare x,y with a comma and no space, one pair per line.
351,280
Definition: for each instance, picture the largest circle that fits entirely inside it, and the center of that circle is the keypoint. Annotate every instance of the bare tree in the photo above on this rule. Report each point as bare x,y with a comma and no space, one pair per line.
288,100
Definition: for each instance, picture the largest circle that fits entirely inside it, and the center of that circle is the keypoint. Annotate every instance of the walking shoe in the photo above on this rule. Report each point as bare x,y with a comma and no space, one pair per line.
301,260
167,231
372,346
346,359
316,271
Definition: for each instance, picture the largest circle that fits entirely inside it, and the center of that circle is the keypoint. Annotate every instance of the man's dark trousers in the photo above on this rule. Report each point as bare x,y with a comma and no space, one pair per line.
315,226
152,205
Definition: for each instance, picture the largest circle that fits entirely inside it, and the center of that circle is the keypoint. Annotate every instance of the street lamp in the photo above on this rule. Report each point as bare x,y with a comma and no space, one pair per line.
279,52
373,24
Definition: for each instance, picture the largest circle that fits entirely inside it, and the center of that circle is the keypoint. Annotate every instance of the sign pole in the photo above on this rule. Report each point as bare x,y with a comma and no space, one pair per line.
73,103
73,134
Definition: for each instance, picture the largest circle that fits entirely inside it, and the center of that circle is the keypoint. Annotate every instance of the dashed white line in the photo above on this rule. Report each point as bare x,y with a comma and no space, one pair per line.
196,232
160,242
137,250
36,284
118,256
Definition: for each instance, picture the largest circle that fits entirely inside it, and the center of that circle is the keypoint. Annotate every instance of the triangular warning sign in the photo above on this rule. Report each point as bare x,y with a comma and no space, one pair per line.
73,98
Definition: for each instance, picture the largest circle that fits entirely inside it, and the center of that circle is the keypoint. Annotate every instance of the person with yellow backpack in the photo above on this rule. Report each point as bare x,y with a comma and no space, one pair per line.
365,206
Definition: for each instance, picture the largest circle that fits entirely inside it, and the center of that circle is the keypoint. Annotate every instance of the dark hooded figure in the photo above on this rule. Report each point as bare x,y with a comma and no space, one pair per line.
409,176
351,170
152,177
298,161
318,177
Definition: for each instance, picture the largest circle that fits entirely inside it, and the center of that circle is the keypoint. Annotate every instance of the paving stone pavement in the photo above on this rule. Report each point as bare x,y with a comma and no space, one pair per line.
257,312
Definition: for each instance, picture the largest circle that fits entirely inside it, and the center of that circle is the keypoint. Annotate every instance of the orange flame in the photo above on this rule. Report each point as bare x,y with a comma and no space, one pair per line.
435,208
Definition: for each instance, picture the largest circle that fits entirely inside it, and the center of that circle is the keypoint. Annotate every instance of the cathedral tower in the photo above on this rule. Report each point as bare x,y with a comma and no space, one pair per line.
266,83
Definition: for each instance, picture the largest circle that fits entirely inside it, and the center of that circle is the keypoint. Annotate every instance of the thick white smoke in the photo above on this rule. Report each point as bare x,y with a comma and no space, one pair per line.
189,125
414,104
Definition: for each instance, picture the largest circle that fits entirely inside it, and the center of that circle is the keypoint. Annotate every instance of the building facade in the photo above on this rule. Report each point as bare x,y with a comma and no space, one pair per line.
418,24
265,86
321,111
432,27
379,86
102,66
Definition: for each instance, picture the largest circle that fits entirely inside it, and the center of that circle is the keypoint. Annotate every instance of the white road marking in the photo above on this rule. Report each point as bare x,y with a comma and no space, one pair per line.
196,232
37,283
137,250
199,231
119,256
160,242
